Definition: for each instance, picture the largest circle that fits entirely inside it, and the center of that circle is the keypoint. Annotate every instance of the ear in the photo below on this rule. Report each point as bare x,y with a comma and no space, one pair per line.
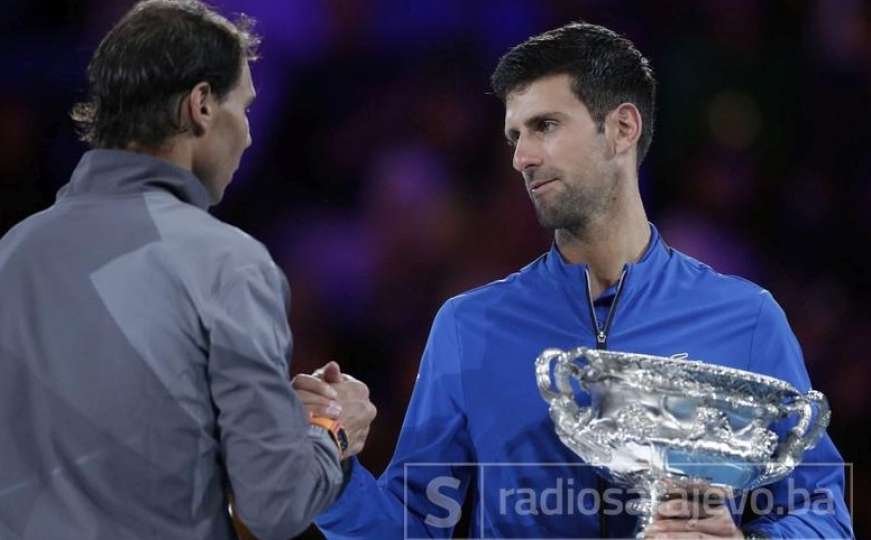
201,108
623,128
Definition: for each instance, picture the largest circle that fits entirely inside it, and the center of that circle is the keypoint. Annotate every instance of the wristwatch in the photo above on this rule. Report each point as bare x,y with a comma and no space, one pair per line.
335,429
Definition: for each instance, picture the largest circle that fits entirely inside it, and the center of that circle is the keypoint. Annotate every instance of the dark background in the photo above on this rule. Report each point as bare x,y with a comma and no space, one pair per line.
381,184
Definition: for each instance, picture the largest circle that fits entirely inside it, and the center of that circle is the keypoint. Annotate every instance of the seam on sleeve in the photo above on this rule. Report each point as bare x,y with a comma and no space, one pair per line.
466,432
222,289
459,357
269,274
763,294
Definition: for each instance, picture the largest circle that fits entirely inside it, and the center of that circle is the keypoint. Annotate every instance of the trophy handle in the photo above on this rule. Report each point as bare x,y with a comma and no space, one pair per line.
563,408
542,375
563,371
803,436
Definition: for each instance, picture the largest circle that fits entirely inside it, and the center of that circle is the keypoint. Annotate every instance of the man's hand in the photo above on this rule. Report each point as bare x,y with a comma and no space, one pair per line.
683,519
329,392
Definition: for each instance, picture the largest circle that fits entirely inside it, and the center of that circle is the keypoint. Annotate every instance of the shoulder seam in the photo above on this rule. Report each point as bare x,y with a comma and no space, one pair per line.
705,268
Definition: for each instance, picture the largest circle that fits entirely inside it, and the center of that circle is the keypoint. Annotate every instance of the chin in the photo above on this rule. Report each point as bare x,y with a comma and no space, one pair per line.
552,220
219,187
216,192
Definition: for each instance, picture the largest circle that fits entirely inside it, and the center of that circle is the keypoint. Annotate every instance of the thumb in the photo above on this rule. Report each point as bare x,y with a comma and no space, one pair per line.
332,373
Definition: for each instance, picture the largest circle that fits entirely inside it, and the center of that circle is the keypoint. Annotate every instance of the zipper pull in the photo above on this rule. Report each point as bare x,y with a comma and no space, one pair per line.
600,337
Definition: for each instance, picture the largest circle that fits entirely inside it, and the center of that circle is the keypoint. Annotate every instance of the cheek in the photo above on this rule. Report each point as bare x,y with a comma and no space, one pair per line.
579,154
565,154
234,133
242,133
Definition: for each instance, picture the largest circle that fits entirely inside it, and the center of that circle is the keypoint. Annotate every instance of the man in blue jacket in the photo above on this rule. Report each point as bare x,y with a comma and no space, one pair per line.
580,115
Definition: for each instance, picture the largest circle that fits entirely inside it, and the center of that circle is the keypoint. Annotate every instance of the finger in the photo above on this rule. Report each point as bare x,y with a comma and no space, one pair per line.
332,373
678,536
685,508
358,415
710,526
319,405
314,385
357,421
352,390
332,366
371,411
332,410
723,492
673,533
677,508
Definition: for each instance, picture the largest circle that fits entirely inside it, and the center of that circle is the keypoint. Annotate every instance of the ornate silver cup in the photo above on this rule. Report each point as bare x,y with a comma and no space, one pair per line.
657,423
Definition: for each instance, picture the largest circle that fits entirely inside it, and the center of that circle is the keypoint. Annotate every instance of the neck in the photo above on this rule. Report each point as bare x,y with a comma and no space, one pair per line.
175,151
608,242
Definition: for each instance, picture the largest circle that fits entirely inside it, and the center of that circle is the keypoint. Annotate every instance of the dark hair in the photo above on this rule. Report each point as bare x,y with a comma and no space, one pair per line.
155,54
606,68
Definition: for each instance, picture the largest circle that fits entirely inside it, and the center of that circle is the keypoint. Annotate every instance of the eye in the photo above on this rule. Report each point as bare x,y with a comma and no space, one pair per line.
511,143
547,125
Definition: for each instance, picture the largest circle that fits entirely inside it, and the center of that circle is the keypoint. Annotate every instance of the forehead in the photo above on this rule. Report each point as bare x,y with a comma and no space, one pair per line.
548,94
245,85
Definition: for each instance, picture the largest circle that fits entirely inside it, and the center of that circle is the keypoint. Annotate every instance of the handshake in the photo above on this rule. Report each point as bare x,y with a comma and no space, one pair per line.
332,394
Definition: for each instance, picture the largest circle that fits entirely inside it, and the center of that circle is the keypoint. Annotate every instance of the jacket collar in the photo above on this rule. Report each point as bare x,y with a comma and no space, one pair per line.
573,276
120,172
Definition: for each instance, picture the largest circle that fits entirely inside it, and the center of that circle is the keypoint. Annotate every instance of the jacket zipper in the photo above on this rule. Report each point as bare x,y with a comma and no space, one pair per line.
601,333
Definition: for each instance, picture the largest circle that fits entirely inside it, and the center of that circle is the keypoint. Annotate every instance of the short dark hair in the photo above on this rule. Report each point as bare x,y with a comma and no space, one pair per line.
606,69
155,54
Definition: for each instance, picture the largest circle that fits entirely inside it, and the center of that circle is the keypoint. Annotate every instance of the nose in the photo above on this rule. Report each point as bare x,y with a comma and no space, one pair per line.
526,154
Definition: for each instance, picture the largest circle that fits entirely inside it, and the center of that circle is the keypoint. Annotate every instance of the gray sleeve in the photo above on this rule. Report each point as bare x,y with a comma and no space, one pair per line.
282,473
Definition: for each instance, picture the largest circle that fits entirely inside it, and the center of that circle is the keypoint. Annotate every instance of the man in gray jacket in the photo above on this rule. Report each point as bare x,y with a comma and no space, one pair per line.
144,345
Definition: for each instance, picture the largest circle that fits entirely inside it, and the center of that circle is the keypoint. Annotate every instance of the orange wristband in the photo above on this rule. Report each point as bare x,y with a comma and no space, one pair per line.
334,428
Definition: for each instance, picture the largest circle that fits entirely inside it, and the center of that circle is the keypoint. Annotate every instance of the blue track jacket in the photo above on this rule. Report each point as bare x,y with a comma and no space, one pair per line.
477,426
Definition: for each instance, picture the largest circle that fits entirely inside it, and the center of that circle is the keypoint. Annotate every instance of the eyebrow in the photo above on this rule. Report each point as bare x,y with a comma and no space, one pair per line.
530,122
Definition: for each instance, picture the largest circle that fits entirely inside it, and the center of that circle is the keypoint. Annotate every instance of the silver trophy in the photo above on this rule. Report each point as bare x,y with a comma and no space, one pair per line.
659,424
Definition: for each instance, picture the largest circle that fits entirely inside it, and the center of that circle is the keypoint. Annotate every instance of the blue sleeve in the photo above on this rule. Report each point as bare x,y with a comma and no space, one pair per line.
281,472
809,503
420,493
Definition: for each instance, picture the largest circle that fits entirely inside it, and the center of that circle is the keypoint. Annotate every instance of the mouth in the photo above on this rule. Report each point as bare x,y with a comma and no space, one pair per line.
538,184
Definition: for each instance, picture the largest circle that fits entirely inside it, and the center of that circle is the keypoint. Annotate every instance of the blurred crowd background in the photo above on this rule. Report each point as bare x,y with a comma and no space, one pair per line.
380,181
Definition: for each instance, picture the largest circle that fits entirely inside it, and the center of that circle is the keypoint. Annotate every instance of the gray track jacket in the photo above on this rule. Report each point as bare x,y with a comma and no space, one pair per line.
144,353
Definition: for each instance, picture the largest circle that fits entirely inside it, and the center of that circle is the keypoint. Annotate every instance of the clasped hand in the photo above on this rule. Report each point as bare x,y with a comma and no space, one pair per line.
331,393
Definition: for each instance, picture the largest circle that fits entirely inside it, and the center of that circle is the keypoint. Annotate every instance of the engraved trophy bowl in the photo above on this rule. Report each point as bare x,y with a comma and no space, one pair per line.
656,423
